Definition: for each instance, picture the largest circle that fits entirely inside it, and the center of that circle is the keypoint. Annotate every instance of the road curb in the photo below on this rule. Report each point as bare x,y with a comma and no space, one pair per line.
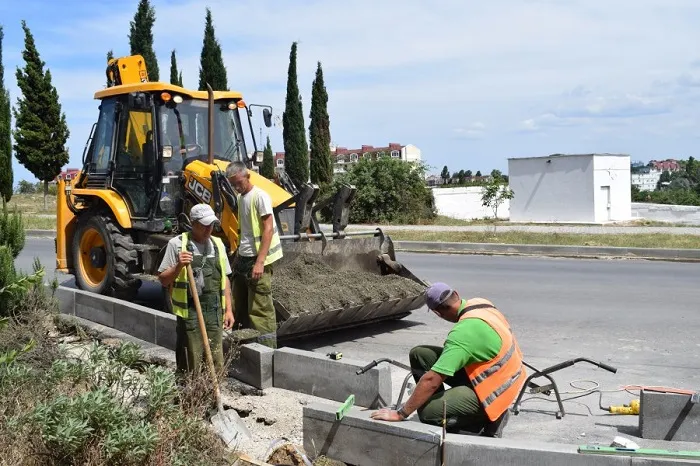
40,233
689,255
588,252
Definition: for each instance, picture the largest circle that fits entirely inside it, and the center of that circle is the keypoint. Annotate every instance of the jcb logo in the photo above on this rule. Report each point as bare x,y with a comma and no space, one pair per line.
200,191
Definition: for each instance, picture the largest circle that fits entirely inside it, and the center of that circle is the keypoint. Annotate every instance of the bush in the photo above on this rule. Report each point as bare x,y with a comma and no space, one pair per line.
388,191
12,231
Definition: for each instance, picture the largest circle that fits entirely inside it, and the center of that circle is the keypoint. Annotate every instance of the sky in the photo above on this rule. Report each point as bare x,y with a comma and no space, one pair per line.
470,83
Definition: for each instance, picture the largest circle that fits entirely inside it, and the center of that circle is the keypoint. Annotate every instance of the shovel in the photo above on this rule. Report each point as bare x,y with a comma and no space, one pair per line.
227,423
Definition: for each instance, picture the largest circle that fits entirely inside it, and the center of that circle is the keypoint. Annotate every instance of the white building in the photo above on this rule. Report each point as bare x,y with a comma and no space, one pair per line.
585,188
646,179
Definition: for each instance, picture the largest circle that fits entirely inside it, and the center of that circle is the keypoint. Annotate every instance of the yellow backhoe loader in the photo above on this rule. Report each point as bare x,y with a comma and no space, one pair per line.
156,150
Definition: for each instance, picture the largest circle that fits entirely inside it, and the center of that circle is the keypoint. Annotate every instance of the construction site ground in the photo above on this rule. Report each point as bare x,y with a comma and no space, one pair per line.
639,316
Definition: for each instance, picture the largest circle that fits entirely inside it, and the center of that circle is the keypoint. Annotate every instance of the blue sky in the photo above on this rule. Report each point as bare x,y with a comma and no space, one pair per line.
470,83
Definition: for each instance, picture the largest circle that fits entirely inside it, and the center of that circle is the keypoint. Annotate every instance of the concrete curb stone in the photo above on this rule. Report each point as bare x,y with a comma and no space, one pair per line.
547,250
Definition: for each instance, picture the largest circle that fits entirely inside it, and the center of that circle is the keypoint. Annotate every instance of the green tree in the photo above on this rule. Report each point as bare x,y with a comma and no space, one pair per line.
211,62
497,174
388,190
692,169
494,194
468,173
319,132
296,157
41,130
141,37
445,174
268,165
175,77
6,178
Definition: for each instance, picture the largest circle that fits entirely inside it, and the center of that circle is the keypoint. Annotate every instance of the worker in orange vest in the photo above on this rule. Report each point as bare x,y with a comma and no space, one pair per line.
480,361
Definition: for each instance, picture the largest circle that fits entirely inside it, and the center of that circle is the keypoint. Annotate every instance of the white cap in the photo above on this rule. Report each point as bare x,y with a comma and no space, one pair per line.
203,214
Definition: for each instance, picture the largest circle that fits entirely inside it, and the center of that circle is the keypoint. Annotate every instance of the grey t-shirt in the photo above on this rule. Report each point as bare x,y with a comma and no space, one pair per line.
172,251
246,246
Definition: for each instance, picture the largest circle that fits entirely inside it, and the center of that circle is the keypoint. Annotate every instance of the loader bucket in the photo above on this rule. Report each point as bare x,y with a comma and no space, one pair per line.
337,283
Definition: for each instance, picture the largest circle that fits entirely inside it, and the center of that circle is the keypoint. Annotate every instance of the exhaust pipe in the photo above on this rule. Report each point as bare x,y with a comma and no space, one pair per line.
210,140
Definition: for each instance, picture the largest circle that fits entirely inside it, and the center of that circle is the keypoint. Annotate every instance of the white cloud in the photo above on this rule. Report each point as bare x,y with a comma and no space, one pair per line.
403,71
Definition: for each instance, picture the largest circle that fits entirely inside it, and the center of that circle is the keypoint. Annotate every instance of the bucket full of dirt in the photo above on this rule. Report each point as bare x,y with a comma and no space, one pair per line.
348,282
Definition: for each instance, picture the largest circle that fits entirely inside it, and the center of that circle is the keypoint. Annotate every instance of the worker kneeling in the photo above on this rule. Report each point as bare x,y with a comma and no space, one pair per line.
480,361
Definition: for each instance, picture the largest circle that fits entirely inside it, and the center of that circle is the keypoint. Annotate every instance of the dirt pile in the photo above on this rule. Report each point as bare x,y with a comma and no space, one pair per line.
307,284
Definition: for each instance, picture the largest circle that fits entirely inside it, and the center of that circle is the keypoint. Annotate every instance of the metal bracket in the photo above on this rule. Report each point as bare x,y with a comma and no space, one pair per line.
695,398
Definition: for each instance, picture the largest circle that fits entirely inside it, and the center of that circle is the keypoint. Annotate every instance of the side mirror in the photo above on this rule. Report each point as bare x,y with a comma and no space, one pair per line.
267,116
258,156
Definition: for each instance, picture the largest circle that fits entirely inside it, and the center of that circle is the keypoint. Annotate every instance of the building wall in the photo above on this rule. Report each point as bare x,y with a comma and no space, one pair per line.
646,181
560,190
612,188
465,203
410,153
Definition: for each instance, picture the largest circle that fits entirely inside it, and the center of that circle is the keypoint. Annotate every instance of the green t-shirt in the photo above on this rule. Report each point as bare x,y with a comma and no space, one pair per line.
469,341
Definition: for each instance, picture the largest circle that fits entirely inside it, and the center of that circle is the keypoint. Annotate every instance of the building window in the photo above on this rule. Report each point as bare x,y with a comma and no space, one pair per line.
353,157
366,155
280,162
340,159
395,154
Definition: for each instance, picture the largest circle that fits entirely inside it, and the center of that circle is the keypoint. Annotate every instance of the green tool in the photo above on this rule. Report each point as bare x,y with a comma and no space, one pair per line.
678,454
344,408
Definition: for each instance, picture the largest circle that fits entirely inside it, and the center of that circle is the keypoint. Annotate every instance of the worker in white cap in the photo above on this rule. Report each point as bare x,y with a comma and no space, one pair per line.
211,270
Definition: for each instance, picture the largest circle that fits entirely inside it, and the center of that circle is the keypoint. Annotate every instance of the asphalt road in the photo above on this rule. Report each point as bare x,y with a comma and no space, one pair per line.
642,317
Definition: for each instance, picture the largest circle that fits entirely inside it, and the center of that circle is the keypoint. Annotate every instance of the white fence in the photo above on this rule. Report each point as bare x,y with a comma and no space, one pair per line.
465,203
667,213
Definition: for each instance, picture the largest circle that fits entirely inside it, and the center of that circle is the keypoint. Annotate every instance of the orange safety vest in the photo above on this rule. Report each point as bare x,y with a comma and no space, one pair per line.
498,381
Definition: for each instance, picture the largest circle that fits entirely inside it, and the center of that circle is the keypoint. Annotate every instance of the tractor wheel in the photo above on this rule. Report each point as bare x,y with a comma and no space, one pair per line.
104,258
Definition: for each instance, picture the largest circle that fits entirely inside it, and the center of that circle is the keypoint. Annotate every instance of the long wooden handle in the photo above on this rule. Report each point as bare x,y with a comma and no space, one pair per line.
203,330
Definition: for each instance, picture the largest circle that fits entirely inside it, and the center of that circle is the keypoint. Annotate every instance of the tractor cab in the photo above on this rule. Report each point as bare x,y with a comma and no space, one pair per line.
148,132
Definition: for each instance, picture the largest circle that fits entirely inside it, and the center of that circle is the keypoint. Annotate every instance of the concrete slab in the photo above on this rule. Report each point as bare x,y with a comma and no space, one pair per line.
254,365
669,416
477,451
135,320
66,300
96,308
166,335
356,439
316,374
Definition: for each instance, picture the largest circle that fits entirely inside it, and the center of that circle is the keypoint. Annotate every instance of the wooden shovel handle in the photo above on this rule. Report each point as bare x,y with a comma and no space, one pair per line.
203,330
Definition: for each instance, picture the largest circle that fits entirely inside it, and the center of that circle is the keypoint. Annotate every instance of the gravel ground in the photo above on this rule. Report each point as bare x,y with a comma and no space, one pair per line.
592,229
271,418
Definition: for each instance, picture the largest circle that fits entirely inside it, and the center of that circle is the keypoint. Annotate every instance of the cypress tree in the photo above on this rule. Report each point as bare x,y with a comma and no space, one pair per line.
6,179
296,157
110,55
175,78
319,132
141,37
211,63
41,130
268,165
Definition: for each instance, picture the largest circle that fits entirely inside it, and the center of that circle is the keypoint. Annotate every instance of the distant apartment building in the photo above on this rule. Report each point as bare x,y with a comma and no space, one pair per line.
670,165
646,178
343,158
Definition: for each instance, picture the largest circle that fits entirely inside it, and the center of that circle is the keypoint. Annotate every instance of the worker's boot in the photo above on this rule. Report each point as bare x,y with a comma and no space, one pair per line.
495,428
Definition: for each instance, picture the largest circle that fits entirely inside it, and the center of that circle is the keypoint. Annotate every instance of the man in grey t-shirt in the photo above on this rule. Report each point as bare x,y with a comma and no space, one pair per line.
258,249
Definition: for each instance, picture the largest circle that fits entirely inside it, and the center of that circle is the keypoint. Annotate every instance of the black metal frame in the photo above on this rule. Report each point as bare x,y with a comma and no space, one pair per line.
547,389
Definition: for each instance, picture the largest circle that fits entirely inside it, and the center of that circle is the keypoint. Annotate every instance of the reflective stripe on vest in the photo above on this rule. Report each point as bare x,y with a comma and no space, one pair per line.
180,289
498,381
275,250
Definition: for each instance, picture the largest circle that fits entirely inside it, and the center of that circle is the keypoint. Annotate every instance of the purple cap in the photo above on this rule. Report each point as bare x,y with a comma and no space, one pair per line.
436,294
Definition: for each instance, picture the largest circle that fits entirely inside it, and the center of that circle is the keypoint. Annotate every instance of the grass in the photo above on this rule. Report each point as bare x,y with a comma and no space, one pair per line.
32,222
637,240
442,220
33,204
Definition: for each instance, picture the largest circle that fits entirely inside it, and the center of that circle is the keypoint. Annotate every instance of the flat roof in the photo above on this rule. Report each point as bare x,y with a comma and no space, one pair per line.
161,86
568,155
